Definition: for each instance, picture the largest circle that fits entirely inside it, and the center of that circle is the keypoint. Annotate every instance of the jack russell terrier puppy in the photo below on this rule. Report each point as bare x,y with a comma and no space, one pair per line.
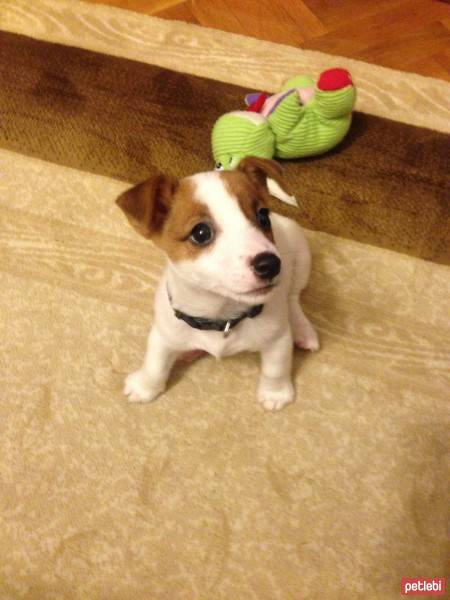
233,277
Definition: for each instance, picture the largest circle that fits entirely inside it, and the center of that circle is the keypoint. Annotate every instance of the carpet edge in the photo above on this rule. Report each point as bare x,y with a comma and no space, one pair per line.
232,58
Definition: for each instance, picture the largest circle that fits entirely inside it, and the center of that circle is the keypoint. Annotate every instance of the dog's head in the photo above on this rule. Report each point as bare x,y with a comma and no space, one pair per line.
214,227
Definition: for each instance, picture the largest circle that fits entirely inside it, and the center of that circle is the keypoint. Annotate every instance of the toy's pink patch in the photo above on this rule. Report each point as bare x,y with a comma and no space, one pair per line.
271,102
306,94
334,79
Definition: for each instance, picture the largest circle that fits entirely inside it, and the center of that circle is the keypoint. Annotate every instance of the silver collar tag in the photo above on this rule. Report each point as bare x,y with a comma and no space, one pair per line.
226,331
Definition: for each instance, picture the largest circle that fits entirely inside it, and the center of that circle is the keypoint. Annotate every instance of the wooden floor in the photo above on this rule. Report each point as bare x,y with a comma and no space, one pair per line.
410,35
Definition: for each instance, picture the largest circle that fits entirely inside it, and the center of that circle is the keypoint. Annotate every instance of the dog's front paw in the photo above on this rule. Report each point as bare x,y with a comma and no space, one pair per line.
275,397
139,389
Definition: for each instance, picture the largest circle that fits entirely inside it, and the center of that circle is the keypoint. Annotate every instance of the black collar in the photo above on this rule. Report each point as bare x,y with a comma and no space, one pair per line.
215,325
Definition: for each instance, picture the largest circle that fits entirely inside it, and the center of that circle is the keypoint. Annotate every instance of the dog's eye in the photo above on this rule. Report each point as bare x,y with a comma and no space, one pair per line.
202,234
219,166
263,218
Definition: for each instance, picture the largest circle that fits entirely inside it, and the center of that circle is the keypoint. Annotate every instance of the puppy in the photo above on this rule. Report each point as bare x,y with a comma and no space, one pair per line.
233,277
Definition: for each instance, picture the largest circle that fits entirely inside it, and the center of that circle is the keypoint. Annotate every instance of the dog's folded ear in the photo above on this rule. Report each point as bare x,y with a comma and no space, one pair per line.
147,204
260,169
269,174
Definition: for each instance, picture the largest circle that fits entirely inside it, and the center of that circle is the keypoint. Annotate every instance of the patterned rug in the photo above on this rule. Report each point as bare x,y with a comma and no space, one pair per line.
202,495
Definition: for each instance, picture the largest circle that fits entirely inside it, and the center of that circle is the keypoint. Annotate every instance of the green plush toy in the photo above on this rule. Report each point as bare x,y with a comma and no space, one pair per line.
302,120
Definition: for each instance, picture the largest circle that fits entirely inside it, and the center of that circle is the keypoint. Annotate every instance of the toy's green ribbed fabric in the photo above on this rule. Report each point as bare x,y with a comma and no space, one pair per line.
314,128
231,132
299,81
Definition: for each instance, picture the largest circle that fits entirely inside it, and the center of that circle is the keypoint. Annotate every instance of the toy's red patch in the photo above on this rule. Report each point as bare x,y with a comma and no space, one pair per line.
334,79
257,105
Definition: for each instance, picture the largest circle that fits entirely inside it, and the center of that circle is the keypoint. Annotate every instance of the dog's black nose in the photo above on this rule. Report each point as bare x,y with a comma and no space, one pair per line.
266,265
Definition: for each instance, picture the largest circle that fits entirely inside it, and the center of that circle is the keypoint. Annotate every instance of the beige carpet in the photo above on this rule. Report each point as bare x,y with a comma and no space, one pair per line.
202,495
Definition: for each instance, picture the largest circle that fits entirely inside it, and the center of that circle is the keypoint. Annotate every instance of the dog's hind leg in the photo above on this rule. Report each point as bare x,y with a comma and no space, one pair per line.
303,332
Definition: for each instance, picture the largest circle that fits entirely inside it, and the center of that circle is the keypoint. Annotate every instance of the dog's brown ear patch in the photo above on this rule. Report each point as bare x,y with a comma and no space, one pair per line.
261,169
147,204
